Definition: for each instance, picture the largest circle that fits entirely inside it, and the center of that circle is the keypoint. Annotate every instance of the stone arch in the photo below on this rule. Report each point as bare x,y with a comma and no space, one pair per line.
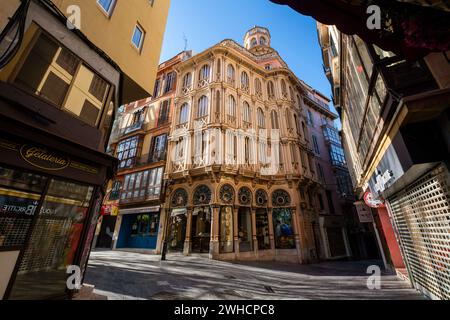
202,195
261,198
179,198
281,198
245,196
227,194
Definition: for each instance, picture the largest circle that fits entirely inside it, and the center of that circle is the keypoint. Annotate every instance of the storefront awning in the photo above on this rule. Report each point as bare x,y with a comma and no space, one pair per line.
177,212
139,210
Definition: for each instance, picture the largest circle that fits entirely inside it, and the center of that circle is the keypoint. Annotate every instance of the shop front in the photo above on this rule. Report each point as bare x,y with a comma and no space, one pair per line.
139,228
107,225
48,200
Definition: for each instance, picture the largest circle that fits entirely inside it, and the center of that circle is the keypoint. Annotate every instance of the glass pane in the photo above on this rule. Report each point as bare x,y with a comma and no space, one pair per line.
54,242
262,229
245,230
284,232
18,204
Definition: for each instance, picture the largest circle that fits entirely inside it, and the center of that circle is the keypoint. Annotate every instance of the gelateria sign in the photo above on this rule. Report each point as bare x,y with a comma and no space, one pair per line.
42,158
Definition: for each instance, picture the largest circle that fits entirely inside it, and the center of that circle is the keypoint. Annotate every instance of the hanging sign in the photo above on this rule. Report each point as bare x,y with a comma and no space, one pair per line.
372,201
364,213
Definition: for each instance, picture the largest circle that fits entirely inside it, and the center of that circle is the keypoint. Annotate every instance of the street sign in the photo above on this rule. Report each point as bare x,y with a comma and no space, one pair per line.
364,213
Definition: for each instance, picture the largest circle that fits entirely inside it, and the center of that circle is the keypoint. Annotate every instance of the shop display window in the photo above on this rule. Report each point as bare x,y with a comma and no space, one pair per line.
283,228
54,240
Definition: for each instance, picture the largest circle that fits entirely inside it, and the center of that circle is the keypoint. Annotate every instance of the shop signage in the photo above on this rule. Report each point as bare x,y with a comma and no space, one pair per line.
364,213
109,209
41,158
372,201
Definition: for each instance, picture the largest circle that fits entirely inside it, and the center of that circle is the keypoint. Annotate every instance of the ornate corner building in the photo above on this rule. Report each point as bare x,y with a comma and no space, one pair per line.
243,176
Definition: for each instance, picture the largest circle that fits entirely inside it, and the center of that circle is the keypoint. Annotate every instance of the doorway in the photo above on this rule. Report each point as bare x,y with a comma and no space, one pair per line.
106,232
262,229
177,233
201,230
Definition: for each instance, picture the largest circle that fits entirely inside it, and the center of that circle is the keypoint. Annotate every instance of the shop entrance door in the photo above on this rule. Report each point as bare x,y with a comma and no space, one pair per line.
177,232
262,229
106,232
201,230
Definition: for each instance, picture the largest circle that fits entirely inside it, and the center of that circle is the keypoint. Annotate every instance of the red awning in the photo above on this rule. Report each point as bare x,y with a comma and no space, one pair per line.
416,30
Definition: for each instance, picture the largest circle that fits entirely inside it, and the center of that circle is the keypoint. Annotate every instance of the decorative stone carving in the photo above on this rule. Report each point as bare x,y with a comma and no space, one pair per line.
179,198
261,197
227,194
281,198
202,195
245,196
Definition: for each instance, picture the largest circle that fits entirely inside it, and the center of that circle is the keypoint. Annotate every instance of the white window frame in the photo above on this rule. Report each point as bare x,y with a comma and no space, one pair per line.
111,7
141,42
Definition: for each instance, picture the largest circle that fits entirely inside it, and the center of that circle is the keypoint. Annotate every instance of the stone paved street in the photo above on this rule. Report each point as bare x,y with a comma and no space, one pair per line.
124,275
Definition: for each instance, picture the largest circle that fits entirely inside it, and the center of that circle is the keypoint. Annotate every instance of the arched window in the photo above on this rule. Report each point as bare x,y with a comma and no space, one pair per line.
258,88
244,80
204,72
262,41
230,74
297,129
247,150
231,110
218,102
299,101
283,88
261,119
270,89
202,110
288,118
253,43
291,92
184,113
304,131
274,120
187,80
219,68
246,112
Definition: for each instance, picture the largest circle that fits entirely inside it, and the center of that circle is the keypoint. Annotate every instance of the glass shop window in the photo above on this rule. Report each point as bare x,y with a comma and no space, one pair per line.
262,229
283,228
145,225
245,230
54,241
57,75
20,193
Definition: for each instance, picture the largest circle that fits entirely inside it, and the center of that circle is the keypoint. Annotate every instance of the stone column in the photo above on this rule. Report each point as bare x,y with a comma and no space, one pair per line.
236,230
296,233
187,239
271,231
254,237
214,244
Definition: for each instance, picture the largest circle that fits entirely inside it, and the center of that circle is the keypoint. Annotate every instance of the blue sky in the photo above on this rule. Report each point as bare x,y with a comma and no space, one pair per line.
207,22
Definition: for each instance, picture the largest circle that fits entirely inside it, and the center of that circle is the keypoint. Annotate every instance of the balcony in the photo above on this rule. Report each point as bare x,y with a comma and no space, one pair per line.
133,128
317,101
145,159
143,195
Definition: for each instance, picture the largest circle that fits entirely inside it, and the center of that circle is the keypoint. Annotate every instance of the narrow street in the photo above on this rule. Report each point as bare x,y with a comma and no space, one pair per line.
124,275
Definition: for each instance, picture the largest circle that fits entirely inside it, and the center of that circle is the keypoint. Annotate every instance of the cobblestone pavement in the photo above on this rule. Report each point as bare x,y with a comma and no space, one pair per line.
122,275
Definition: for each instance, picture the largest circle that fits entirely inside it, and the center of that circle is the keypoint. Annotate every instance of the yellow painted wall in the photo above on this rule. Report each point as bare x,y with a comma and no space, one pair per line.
7,9
113,34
